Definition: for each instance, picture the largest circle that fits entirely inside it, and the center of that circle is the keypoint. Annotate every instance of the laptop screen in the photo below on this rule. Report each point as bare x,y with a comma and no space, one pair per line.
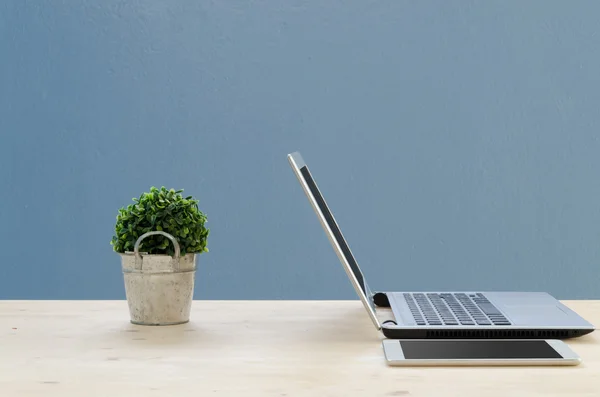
334,227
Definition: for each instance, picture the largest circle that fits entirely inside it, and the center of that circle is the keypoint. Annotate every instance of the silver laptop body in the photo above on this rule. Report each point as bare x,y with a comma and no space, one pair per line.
446,314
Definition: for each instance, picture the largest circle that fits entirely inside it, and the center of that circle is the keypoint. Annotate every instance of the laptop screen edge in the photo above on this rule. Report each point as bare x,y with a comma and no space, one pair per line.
333,233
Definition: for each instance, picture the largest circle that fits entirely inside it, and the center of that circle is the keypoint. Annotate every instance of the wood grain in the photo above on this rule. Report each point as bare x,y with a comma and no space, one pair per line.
250,348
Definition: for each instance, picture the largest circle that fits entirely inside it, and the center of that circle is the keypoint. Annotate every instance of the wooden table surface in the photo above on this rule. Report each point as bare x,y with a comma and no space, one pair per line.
250,348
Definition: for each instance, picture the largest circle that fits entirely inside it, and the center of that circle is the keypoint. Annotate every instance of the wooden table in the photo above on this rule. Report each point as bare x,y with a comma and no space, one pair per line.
252,348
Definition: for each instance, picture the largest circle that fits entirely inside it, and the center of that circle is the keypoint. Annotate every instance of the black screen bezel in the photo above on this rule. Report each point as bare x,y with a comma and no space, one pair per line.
335,229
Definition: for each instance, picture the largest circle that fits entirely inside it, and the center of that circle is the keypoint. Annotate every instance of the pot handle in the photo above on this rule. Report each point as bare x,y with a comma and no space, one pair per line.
138,257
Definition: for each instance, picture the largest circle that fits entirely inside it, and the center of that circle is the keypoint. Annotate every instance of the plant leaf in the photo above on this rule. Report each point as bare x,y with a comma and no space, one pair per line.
161,209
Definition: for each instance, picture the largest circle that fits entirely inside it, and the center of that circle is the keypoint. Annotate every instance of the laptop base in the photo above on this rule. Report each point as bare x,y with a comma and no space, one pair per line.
392,331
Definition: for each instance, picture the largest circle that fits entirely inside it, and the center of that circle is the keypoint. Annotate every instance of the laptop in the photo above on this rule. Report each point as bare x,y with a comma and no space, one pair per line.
446,314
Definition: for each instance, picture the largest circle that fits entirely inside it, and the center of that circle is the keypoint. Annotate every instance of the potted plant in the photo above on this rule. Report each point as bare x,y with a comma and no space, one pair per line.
158,238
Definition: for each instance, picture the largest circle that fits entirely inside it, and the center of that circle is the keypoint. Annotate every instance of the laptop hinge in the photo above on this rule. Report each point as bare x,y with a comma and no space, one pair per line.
380,299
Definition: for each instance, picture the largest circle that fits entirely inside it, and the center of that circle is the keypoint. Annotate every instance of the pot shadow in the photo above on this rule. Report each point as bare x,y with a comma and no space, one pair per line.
145,336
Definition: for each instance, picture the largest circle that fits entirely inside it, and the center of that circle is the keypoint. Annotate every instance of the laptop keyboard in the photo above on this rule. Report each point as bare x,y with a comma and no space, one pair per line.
453,309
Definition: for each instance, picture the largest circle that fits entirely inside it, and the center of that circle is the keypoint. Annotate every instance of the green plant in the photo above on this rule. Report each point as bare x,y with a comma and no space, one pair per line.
166,210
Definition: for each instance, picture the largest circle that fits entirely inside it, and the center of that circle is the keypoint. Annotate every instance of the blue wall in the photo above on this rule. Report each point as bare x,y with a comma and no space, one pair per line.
456,142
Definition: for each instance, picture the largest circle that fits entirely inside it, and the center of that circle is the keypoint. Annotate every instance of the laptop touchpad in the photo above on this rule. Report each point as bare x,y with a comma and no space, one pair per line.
538,314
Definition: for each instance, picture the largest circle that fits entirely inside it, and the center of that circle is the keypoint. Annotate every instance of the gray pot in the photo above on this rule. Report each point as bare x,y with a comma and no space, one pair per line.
159,288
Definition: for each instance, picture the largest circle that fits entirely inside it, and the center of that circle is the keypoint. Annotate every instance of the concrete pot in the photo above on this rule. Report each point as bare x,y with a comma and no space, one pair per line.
159,288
